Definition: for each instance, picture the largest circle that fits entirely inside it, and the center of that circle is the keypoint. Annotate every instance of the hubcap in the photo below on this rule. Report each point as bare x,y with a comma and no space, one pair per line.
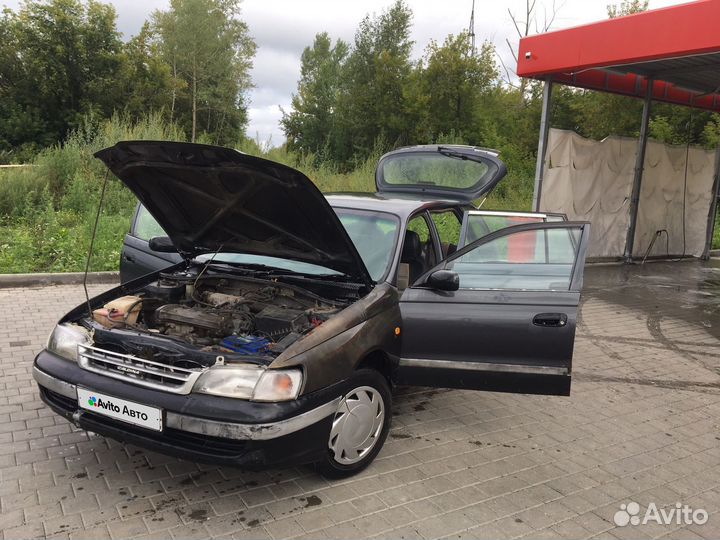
357,425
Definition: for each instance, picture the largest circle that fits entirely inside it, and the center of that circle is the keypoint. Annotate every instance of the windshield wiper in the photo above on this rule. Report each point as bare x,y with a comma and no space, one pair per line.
452,153
255,268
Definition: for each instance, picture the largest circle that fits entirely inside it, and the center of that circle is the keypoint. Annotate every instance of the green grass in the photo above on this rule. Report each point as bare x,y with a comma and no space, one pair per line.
716,231
47,211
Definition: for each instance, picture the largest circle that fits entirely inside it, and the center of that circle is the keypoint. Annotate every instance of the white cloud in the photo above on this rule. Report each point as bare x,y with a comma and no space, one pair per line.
275,68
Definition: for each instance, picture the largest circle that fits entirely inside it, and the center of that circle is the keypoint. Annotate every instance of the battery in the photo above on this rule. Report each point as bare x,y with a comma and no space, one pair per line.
248,345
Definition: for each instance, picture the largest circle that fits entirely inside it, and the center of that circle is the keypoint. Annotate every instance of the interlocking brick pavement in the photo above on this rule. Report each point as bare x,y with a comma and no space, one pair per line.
641,425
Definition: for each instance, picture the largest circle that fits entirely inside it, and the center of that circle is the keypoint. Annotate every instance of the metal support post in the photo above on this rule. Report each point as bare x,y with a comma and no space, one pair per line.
545,119
637,178
713,208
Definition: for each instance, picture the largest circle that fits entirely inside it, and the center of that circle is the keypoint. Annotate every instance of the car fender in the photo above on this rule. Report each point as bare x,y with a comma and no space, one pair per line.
332,351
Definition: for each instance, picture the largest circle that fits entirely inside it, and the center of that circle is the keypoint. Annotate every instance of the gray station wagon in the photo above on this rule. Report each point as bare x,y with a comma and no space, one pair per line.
263,323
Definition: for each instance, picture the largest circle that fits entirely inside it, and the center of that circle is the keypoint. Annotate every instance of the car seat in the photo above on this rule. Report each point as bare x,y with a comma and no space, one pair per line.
412,255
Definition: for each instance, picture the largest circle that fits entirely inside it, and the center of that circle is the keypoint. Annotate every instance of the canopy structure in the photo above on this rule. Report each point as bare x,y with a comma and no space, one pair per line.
670,55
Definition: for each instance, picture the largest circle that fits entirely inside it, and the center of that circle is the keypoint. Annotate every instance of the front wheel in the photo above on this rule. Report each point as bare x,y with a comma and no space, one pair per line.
360,425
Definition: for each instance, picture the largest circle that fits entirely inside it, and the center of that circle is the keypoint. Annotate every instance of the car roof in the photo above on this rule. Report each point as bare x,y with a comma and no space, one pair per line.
396,203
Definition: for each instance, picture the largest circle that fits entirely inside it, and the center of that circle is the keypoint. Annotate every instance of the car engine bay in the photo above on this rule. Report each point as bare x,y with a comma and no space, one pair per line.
243,316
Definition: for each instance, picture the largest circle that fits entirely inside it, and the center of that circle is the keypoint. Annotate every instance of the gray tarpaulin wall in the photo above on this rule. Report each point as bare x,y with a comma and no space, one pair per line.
592,181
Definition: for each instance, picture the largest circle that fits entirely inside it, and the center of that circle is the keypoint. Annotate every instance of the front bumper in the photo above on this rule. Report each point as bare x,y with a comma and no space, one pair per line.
198,427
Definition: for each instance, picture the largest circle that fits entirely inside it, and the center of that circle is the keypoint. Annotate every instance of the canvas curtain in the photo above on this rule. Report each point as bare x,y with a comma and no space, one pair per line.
592,181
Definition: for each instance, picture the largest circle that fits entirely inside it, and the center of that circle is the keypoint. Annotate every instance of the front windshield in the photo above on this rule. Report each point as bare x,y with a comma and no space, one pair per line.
272,262
374,235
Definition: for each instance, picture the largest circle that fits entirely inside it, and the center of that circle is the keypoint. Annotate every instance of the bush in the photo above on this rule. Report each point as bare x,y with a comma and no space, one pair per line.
47,211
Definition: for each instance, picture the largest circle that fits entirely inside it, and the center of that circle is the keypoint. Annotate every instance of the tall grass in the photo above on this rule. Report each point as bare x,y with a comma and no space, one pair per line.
47,210
325,176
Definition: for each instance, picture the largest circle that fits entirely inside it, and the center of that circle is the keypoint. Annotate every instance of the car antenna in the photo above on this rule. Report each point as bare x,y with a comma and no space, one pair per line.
92,242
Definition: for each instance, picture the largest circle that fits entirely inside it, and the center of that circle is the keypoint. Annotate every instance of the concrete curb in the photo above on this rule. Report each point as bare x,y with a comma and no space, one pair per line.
67,278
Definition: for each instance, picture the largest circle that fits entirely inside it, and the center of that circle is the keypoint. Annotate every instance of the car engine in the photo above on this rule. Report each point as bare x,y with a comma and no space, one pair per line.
244,316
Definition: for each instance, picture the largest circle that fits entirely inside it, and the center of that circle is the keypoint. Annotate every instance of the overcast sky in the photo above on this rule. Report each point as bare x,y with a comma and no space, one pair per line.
282,28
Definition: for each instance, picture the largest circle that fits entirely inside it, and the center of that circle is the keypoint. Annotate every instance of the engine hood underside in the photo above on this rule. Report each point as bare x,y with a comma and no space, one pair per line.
210,198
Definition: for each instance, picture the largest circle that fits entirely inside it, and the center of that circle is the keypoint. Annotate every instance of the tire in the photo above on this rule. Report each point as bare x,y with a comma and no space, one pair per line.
355,440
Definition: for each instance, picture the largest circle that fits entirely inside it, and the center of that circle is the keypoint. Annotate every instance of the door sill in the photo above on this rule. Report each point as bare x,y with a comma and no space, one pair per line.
483,366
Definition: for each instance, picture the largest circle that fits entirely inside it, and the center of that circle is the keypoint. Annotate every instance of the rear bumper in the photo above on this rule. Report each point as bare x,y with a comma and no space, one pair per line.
284,433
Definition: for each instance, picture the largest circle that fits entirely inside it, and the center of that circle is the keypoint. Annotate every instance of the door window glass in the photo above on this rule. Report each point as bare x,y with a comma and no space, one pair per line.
480,224
146,227
540,259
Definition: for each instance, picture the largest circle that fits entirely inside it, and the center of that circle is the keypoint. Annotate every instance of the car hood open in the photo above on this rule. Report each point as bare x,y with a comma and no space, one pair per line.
210,198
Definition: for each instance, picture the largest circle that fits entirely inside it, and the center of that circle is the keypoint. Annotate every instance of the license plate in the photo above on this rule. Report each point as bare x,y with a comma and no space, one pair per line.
120,409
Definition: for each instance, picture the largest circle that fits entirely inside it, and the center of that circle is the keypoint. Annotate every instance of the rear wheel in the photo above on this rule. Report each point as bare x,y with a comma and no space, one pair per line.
360,425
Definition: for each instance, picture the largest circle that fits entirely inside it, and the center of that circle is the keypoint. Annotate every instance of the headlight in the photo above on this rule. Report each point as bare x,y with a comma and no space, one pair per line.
252,383
64,340
229,381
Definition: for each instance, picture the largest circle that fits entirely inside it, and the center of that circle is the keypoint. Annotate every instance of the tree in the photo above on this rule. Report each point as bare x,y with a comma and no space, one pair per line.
59,62
523,26
309,124
371,104
600,114
210,50
711,132
454,79
147,77
627,7
21,124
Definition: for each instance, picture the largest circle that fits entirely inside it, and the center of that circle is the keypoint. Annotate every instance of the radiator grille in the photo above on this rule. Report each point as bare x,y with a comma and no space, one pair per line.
130,368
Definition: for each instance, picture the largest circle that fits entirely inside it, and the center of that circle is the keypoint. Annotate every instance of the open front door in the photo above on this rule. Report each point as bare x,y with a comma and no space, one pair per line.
510,325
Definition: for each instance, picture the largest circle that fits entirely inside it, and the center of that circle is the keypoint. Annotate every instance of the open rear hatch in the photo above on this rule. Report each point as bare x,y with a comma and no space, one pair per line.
462,173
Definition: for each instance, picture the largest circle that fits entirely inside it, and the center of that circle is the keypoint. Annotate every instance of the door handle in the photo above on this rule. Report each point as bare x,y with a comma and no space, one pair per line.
550,320
129,258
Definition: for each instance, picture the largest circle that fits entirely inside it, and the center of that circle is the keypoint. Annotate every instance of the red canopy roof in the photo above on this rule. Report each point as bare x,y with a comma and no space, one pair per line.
678,46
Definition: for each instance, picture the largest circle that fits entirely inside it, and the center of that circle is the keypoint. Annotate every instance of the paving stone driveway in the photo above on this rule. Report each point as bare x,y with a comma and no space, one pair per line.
641,425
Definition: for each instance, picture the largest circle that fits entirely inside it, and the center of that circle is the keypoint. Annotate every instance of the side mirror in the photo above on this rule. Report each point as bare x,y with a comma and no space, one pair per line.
444,280
162,244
